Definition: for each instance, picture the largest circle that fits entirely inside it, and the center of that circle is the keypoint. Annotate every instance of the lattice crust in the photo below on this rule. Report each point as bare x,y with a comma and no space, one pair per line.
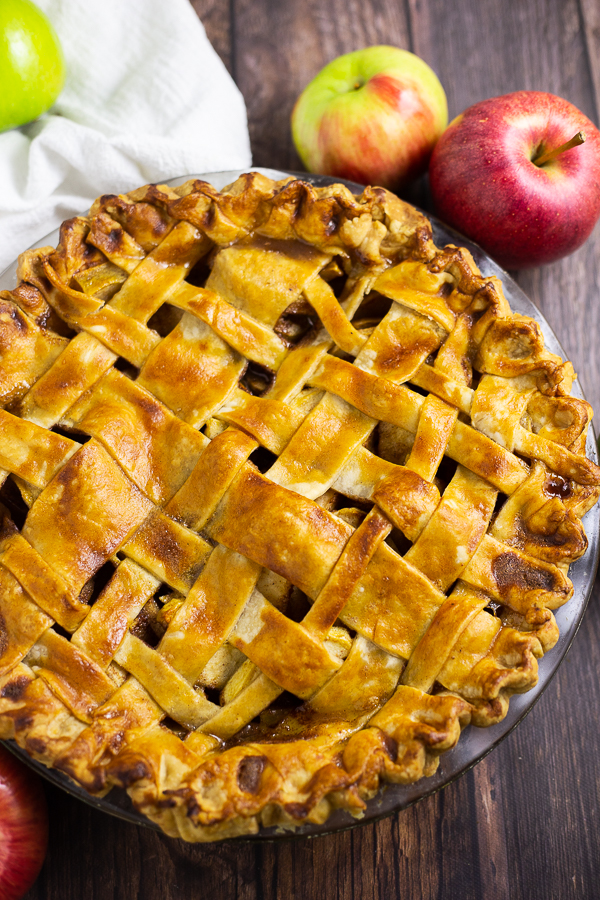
294,496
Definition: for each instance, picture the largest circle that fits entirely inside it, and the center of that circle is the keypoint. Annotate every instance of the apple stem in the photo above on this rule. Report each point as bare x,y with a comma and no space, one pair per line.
575,141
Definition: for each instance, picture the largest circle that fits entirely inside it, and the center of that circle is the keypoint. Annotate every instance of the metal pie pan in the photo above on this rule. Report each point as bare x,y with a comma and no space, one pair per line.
474,743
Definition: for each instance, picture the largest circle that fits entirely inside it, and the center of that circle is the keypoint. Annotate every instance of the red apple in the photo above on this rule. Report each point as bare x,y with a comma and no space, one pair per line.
492,178
371,116
23,827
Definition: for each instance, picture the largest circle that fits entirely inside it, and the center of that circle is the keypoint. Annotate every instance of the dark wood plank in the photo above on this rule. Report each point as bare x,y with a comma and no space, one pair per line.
96,857
590,19
551,787
216,18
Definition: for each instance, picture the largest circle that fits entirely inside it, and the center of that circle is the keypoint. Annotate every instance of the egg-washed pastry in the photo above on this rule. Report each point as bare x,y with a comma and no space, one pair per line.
289,497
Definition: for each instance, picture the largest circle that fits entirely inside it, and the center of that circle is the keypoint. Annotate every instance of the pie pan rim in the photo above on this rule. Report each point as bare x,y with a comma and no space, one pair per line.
475,743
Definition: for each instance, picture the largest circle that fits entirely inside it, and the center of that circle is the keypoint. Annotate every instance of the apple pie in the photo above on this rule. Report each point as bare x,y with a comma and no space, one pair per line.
289,497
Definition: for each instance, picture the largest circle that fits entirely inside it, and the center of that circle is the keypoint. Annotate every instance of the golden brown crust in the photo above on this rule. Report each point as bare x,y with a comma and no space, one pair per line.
245,455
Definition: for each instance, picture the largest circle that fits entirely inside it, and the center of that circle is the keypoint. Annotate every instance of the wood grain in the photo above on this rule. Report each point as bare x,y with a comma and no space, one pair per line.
523,825
590,18
216,16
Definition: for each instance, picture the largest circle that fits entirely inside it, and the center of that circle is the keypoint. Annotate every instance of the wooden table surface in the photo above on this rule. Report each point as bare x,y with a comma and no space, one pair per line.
525,822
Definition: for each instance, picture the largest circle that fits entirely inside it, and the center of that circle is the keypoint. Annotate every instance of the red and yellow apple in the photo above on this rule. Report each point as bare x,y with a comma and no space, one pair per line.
371,116
502,175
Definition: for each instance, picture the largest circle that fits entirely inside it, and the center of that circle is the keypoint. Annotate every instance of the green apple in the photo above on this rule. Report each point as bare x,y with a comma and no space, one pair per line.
32,68
371,116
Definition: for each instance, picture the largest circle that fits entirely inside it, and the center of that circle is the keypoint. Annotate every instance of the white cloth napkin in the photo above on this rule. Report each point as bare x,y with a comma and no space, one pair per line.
146,99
